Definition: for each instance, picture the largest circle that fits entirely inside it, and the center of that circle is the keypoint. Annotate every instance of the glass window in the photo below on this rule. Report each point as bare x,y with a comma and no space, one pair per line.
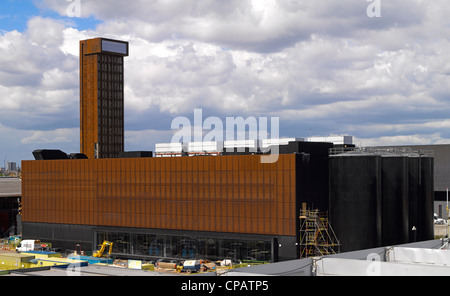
155,246
186,247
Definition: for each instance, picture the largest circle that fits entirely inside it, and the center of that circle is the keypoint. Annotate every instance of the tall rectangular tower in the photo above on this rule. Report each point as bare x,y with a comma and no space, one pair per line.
102,97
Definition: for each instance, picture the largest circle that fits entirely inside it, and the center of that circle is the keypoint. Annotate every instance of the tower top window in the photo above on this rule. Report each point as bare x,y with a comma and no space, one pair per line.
115,47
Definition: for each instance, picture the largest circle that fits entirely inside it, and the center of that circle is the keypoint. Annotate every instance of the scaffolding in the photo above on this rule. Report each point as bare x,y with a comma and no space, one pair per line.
317,237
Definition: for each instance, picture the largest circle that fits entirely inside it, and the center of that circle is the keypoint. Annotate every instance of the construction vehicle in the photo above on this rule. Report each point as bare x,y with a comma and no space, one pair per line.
190,266
103,246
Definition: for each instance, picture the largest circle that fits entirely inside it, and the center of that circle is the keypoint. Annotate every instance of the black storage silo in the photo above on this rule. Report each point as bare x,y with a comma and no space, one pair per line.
414,177
421,196
394,193
355,200
426,201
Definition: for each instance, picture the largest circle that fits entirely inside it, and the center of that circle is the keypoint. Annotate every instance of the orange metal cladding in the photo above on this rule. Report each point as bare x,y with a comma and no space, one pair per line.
235,194
88,96
101,98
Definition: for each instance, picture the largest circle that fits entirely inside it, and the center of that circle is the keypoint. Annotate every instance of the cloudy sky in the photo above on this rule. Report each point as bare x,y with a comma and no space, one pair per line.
323,67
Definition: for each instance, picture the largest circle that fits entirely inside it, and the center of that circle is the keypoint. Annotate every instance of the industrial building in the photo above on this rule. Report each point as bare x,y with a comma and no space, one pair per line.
11,166
205,206
227,206
10,206
209,202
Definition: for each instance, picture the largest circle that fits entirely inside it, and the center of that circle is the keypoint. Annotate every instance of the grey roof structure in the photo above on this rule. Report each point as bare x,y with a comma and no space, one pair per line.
418,259
10,187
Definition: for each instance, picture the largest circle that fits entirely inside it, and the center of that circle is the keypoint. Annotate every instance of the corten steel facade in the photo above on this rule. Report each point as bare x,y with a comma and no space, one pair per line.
234,194
102,97
230,195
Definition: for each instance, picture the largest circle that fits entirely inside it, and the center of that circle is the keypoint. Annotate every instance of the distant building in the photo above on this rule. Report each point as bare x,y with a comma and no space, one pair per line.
11,166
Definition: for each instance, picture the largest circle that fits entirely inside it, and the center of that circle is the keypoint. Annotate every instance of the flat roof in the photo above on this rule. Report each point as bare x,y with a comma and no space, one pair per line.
10,187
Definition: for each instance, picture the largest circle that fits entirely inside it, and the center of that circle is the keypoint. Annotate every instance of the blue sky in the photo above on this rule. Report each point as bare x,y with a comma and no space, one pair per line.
322,67
14,15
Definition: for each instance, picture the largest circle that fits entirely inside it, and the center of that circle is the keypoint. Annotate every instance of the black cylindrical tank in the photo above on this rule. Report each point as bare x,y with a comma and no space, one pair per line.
426,201
421,197
395,207
355,200
414,177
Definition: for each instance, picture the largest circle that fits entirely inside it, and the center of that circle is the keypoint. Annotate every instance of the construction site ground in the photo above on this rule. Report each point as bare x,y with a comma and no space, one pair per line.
122,264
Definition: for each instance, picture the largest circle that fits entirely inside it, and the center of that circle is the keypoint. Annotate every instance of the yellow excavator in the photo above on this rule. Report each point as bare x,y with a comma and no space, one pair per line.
100,252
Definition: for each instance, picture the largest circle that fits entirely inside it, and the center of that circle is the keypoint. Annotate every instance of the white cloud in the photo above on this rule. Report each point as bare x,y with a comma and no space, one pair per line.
145,140
319,65
45,32
18,144
258,24
177,82
71,40
36,78
56,136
